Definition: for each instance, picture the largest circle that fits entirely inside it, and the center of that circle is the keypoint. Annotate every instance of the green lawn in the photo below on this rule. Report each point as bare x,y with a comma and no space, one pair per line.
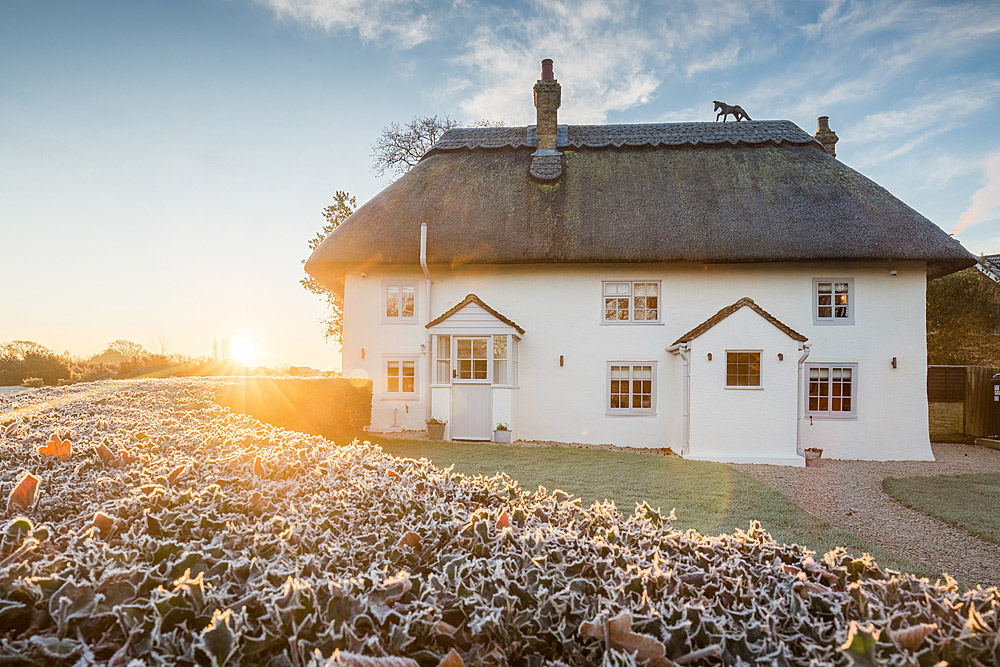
967,501
710,497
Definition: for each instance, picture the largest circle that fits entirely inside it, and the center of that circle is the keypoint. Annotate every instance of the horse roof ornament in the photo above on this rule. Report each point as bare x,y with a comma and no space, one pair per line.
724,110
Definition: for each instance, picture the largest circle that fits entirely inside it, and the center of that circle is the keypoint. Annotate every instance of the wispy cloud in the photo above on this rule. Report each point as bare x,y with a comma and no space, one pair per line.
985,203
394,22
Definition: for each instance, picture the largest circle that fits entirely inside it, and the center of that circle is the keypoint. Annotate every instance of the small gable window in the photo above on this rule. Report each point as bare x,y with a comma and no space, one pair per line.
400,378
631,301
832,391
742,369
400,302
833,301
631,388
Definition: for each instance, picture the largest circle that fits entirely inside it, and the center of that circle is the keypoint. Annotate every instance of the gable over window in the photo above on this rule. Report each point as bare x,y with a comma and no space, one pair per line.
833,301
399,301
631,301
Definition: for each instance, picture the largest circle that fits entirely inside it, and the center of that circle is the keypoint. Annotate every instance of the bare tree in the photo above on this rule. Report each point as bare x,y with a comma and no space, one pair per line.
400,147
333,322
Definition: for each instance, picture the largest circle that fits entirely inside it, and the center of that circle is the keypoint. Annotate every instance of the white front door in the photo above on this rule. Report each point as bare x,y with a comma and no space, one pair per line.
471,392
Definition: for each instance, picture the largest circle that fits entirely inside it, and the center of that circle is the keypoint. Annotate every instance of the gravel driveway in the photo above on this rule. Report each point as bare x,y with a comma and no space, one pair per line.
849,494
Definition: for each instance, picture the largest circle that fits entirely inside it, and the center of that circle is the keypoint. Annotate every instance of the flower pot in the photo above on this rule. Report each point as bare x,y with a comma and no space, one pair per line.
501,436
435,431
812,456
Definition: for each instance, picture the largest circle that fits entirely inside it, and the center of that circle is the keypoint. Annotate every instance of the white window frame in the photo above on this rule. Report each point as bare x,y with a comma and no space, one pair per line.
400,395
511,362
398,319
852,414
833,320
630,411
631,302
760,370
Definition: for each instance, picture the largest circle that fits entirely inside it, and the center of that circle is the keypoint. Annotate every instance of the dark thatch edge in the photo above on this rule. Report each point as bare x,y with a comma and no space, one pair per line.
472,298
729,310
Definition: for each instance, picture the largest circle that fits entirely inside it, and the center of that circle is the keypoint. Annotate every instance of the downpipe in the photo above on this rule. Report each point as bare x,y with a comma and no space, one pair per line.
799,399
427,313
684,350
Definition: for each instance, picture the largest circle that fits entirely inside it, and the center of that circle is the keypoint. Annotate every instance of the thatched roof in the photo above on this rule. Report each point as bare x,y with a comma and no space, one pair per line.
732,308
757,191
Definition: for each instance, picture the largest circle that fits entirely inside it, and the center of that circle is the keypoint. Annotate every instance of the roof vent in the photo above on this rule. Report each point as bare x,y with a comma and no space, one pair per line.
826,136
546,161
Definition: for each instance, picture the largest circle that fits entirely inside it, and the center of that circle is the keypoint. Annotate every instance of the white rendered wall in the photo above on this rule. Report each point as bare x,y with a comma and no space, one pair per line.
560,307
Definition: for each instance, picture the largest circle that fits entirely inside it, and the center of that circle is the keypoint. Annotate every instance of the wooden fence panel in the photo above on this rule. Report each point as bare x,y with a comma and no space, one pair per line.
979,421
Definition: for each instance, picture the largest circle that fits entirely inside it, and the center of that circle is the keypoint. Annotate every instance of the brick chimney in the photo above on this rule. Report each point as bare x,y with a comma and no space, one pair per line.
548,95
826,136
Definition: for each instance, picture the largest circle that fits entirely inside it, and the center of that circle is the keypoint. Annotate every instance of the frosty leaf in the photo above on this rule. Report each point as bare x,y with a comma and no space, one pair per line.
618,633
23,494
503,521
106,455
861,642
176,473
910,639
57,448
103,522
218,640
258,467
392,474
453,659
355,660
411,540
58,649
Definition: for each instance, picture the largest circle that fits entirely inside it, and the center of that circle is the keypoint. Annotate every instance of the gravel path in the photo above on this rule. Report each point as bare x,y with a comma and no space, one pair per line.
849,494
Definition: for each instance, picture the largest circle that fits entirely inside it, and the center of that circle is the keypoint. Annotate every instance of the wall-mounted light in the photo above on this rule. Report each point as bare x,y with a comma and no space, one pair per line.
362,353
364,275
560,360
894,273
709,356
781,357
894,362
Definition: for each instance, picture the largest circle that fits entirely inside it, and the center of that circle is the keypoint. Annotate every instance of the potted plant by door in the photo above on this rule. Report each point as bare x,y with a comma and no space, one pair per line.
813,455
502,433
435,428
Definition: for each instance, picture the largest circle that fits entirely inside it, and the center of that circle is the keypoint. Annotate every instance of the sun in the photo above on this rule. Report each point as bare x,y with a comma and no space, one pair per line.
243,351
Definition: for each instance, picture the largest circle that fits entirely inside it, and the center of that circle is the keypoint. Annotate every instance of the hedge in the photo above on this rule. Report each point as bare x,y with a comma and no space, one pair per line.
331,407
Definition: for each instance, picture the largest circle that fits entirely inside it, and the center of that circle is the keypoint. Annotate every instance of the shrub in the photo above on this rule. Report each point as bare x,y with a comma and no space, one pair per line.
331,407
22,359
220,540
32,382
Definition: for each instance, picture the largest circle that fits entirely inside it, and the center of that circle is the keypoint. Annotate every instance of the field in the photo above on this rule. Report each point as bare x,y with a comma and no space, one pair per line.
147,525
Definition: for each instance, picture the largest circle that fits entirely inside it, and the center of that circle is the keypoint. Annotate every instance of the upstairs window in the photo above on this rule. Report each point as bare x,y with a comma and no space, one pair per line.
833,301
631,301
400,302
832,389
742,369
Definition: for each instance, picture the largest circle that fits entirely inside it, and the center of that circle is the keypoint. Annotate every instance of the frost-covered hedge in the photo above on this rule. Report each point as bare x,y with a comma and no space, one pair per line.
177,532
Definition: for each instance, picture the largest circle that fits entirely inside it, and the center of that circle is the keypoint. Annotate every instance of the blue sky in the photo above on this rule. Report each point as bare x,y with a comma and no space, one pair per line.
163,164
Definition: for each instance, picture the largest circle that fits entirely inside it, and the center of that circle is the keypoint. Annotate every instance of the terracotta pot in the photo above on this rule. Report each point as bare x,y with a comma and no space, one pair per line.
501,436
812,456
435,431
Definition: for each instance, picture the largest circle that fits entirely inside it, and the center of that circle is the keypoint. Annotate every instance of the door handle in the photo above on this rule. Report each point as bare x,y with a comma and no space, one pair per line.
454,373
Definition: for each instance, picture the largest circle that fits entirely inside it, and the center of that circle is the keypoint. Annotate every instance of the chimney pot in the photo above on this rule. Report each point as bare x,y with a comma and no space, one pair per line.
547,70
826,136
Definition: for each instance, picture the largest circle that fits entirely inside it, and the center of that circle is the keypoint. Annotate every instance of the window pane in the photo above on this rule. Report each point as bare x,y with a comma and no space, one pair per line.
444,347
824,288
392,301
479,348
407,301
465,369
499,347
393,383
825,311
500,372
479,369
392,368
408,368
408,385
743,369
464,346
443,372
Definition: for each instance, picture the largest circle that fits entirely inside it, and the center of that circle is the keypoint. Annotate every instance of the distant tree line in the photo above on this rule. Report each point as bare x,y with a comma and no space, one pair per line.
25,361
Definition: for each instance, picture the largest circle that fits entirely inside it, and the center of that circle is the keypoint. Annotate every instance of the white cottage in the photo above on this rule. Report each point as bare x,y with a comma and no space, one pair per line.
729,290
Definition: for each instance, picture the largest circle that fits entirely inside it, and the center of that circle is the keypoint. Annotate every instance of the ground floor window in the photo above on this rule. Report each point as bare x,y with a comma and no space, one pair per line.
742,368
832,390
631,388
400,378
